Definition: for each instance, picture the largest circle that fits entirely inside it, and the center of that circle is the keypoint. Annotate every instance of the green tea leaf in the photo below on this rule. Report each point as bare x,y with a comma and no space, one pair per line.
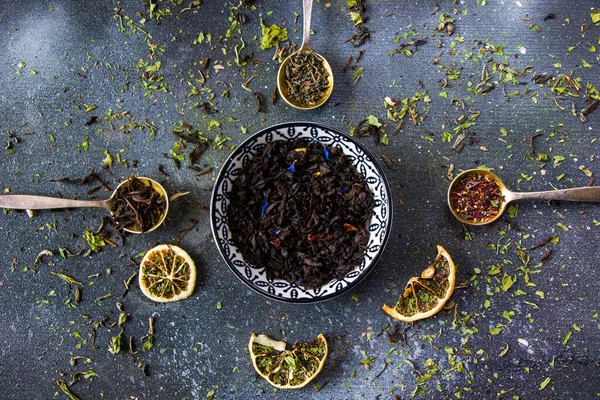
108,160
65,389
122,319
147,342
372,120
271,35
507,282
356,18
495,331
94,241
90,374
545,383
66,278
385,139
567,337
368,361
114,346
586,171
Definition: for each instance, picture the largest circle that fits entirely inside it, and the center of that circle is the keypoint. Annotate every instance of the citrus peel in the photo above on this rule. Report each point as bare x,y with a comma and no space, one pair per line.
287,369
426,295
167,274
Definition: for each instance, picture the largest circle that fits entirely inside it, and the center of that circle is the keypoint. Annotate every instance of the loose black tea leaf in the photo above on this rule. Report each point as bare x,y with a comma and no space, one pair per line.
541,79
306,78
258,102
198,151
91,120
241,18
302,211
138,206
360,37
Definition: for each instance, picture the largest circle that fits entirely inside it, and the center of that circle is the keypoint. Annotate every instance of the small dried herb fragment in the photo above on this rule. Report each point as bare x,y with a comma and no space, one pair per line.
114,346
271,35
65,389
94,241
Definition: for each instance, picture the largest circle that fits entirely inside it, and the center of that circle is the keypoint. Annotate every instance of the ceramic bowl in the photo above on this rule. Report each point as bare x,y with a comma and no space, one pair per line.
254,276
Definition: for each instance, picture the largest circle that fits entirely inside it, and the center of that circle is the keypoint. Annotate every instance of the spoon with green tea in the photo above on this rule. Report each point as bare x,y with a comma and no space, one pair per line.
138,204
305,79
479,197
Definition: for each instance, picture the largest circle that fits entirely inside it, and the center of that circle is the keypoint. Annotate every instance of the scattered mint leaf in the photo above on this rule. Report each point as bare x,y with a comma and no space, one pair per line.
271,35
94,241
545,383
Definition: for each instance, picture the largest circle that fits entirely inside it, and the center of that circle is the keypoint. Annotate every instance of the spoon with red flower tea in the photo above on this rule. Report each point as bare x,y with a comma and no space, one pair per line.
479,197
138,204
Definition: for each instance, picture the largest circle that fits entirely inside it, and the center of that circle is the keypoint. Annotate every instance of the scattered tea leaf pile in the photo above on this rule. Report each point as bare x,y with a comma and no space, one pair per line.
493,339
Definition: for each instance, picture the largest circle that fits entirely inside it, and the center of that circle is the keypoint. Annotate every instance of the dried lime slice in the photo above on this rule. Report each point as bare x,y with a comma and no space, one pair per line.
167,273
426,295
287,369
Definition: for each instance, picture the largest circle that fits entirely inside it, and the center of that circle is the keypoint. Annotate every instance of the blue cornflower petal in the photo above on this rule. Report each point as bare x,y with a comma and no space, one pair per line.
343,190
326,152
292,168
264,208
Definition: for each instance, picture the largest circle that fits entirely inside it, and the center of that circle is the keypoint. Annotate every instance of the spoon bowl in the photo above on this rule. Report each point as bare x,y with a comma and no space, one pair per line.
157,187
583,194
26,202
506,195
282,82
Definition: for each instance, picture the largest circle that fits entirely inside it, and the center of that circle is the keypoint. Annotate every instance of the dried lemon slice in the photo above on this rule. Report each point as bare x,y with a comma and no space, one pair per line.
167,273
287,369
425,296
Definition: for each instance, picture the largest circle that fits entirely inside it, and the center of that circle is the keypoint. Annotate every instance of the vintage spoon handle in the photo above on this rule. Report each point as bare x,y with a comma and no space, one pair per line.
589,194
307,10
26,202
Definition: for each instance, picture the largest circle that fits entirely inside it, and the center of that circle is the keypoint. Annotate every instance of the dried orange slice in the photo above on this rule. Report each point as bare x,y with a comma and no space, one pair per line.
167,273
287,369
425,296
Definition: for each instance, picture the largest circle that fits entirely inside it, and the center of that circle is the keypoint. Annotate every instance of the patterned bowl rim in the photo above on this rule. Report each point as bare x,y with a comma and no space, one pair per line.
370,266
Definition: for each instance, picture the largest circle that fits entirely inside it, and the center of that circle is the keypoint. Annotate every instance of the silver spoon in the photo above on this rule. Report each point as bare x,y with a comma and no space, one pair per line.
281,76
26,202
585,194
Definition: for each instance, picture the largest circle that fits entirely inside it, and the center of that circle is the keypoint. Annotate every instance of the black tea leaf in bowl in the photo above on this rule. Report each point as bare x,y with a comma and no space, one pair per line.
301,212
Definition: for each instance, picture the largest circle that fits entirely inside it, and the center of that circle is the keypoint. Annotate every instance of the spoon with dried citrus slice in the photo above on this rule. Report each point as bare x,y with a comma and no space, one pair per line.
425,296
167,274
287,369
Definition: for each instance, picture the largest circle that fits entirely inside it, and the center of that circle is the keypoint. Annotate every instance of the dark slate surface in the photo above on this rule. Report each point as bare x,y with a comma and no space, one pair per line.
80,59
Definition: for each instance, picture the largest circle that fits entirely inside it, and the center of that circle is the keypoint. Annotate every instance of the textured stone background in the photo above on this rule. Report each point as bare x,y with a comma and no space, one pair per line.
74,56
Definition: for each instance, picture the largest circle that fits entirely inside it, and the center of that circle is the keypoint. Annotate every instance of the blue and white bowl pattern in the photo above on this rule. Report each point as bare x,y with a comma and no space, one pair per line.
255,276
